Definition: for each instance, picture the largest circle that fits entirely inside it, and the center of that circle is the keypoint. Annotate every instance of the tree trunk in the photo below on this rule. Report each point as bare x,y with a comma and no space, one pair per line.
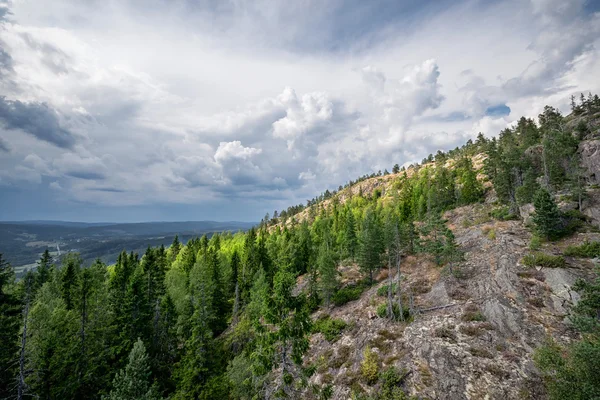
21,386
390,305
236,304
398,288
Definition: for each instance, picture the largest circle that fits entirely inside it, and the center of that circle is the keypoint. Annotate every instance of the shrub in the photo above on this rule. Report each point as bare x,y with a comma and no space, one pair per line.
480,352
532,273
470,316
544,260
349,293
535,243
342,356
498,371
330,328
503,214
382,311
536,302
445,332
492,234
391,379
369,367
471,330
572,220
383,290
421,286
584,250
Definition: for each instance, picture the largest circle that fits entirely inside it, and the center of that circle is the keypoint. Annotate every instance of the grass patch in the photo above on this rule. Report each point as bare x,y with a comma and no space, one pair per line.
544,260
330,328
536,302
532,273
341,357
535,243
445,332
471,330
421,286
473,316
480,352
497,371
584,250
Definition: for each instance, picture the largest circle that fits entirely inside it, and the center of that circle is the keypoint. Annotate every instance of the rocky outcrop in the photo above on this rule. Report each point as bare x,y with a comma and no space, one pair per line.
478,328
591,206
590,159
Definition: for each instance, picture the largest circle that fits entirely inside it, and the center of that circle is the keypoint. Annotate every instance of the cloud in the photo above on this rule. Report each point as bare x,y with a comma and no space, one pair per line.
76,166
37,119
565,35
254,106
53,58
55,185
302,115
4,146
229,151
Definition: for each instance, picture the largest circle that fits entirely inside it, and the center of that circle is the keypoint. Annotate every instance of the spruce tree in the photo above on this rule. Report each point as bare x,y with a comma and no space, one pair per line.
371,245
433,233
194,369
328,274
10,313
350,239
546,217
70,273
133,382
44,269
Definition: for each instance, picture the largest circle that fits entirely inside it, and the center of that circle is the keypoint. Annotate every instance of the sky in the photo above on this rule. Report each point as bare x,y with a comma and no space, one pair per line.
171,110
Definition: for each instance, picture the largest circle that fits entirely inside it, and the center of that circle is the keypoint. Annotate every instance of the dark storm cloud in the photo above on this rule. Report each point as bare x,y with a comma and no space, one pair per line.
37,119
88,175
6,62
4,10
4,146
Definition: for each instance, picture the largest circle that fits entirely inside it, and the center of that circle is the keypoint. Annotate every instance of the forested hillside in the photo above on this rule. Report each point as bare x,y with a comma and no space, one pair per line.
468,275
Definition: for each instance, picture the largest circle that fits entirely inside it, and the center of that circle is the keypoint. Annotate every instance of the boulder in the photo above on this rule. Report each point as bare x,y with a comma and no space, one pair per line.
590,158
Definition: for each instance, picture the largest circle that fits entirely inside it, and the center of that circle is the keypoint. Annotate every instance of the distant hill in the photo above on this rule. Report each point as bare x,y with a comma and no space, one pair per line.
22,242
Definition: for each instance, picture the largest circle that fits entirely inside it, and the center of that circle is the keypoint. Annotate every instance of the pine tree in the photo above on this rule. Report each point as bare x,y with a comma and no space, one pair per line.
328,274
471,190
219,301
70,273
10,313
546,218
286,340
450,251
133,382
194,369
433,233
371,245
350,240
44,269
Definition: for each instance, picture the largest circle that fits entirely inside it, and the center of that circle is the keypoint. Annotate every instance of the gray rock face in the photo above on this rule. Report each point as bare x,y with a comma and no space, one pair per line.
590,158
478,330
591,206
